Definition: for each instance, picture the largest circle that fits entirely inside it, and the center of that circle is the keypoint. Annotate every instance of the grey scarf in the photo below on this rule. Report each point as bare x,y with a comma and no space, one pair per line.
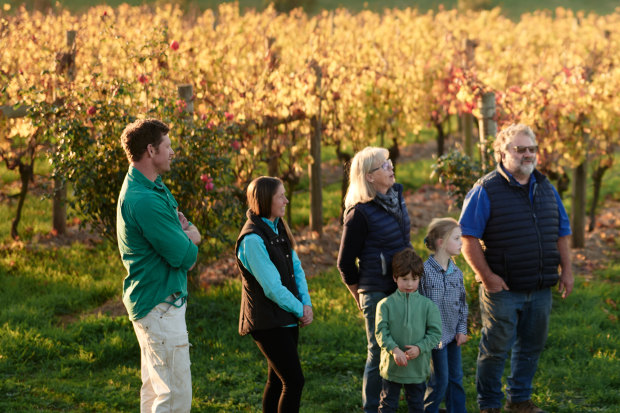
390,203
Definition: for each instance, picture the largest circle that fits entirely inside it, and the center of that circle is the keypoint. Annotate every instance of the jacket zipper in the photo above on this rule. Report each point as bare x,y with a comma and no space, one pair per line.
540,247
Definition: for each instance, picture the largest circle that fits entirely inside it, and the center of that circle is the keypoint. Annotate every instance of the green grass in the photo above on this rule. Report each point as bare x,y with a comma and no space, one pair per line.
44,365
92,364
581,361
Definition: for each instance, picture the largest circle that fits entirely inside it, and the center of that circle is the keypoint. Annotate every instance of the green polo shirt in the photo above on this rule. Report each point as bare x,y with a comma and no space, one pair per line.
154,249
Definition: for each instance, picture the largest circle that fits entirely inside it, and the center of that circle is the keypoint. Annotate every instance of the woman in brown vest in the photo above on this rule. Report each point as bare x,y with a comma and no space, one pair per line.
274,301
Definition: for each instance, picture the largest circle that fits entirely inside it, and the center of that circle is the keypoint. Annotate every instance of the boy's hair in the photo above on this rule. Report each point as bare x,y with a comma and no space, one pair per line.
407,261
439,228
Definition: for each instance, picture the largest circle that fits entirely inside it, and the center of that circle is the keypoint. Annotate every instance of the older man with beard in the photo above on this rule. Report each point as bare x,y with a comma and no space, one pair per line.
515,235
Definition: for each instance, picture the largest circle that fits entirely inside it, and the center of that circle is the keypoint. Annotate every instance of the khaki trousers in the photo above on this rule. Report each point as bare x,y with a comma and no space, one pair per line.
166,375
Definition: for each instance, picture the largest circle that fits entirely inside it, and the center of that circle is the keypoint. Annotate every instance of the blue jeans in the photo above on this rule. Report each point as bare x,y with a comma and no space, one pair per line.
390,394
514,322
446,380
371,386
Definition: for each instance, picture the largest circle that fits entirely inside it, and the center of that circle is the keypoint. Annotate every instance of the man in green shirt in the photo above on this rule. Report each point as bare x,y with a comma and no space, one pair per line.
158,246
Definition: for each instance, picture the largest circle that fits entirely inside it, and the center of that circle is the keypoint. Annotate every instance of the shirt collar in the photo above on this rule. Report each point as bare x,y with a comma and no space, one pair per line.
272,224
404,295
451,265
512,178
139,178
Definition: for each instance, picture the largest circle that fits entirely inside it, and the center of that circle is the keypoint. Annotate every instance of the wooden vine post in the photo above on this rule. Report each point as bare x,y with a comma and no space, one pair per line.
579,205
580,177
487,124
65,64
186,93
314,167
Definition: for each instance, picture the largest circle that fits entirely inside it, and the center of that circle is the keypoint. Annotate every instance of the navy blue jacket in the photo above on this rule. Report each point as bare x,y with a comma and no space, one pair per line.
372,236
520,239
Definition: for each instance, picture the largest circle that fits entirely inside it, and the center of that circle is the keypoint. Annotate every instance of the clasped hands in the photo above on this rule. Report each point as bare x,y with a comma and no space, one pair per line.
401,357
308,316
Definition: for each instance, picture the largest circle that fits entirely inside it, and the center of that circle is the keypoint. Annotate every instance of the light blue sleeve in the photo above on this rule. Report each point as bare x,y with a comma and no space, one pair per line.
300,280
255,258
476,212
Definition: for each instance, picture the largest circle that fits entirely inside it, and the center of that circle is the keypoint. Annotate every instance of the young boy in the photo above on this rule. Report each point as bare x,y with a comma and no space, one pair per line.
408,327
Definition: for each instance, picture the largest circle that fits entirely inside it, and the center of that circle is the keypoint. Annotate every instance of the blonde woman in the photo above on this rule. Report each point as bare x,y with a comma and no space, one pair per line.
376,226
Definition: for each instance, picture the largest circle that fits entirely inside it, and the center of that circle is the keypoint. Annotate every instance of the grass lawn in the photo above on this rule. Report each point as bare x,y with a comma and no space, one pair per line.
92,364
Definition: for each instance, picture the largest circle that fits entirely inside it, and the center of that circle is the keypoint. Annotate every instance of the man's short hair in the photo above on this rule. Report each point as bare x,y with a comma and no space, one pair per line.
138,135
407,261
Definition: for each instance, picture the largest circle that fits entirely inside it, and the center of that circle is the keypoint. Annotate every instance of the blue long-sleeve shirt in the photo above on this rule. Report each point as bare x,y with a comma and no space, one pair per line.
254,256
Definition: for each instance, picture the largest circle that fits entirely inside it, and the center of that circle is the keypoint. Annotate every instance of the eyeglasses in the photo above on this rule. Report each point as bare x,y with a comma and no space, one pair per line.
523,149
385,166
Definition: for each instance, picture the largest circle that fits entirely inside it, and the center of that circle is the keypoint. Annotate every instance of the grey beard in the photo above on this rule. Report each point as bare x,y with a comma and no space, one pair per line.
527,170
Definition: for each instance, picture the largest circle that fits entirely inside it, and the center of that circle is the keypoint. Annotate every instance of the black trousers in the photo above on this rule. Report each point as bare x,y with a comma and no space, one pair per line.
285,380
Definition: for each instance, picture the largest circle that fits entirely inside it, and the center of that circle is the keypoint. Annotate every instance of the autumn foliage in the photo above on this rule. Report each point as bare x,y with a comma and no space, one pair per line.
259,78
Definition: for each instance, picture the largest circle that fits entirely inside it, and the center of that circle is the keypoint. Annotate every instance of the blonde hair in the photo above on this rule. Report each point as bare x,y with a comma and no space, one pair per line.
507,135
360,190
439,228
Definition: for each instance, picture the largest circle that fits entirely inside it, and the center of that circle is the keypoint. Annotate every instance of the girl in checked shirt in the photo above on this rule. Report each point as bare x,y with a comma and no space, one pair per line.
443,284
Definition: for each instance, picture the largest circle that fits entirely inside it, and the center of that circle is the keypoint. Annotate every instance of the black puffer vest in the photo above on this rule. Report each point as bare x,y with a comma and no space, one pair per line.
520,239
257,311
386,236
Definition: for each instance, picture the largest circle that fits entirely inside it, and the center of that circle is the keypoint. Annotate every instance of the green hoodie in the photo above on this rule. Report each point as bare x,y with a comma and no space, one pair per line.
407,319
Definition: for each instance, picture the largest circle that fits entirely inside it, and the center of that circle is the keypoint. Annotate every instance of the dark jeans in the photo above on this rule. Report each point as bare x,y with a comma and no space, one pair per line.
390,394
446,381
285,380
371,385
516,324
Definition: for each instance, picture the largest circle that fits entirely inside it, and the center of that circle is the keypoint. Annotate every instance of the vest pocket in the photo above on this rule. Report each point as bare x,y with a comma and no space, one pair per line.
383,265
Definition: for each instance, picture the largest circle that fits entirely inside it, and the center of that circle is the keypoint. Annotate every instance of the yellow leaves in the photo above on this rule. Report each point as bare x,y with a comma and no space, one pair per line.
464,95
18,128
258,64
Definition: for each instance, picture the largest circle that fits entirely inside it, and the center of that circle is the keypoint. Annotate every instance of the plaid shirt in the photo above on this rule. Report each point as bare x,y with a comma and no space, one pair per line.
446,289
